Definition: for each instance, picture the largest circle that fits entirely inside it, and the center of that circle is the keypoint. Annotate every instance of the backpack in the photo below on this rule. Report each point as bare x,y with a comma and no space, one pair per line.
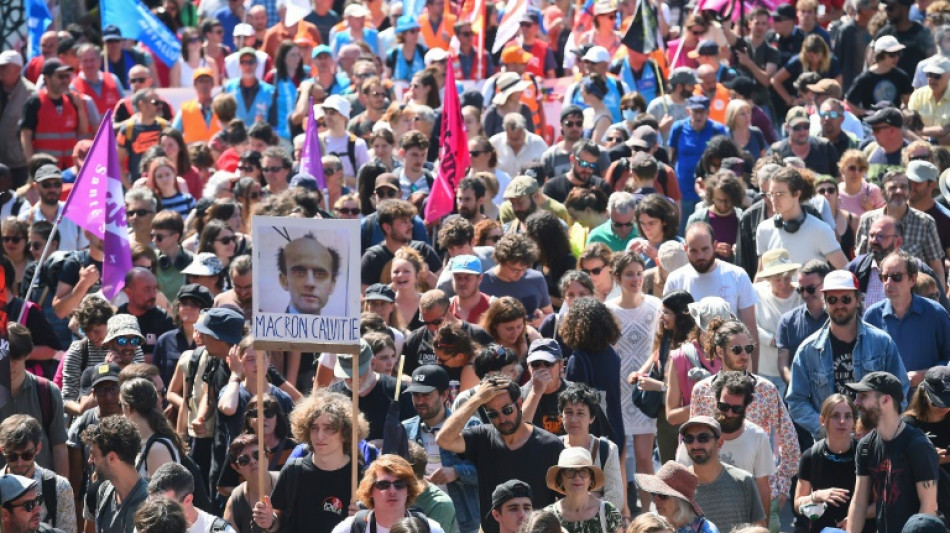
44,393
49,494
191,372
350,151
361,519
201,500
50,272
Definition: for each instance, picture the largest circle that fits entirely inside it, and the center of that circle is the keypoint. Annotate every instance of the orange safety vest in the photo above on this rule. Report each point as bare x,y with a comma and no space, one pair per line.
434,39
110,92
193,125
718,103
56,131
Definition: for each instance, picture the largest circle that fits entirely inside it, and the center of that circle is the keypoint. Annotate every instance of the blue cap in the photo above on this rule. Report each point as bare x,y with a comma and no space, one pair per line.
223,324
545,350
13,486
466,264
321,49
305,180
698,101
406,23
111,33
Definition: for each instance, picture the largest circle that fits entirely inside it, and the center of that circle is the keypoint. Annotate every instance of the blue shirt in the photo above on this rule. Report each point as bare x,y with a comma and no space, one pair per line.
228,21
689,145
922,336
339,39
795,326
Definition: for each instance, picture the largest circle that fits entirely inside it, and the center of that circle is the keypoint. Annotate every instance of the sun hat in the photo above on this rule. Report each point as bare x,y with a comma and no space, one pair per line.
574,457
777,261
672,479
344,362
122,325
204,264
709,308
507,84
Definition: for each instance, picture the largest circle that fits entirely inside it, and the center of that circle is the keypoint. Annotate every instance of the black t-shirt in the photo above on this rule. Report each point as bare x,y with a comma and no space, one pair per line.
496,464
558,188
318,501
153,324
937,432
825,470
842,364
71,267
547,415
375,405
918,40
870,88
41,332
895,468
31,111
821,158
418,346
375,264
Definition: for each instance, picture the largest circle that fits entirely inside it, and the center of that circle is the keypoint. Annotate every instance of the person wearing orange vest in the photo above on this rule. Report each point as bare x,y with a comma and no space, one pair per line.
717,93
436,26
467,65
54,118
103,88
542,63
196,121
515,59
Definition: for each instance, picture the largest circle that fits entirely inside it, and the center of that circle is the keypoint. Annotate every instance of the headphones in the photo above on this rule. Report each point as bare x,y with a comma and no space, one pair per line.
792,225
182,260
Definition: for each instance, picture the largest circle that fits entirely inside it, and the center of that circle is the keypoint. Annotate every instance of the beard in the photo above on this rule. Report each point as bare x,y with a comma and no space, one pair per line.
509,428
842,320
730,424
700,457
703,265
869,417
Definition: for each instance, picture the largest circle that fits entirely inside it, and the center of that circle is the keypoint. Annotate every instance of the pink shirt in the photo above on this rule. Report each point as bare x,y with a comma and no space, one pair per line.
682,365
853,203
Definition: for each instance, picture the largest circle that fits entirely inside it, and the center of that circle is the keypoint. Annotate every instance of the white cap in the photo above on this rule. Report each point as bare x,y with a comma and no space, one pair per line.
337,103
935,66
355,10
11,57
243,30
887,43
597,54
435,54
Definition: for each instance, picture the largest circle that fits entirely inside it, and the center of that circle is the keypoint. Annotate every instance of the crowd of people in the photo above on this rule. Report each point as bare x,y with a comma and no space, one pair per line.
694,289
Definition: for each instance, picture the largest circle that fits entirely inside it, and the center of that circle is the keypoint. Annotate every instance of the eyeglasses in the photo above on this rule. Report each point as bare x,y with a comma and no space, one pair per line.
506,411
621,224
572,473
736,350
348,210
726,407
15,239
539,364
14,457
375,94
880,236
225,240
28,506
573,123
776,194
127,341
137,80
832,300
809,289
702,438
384,485
586,164
139,212
896,277
829,114
919,157
386,192
827,190
593,271
154,101
526,24
800,127
435,321
245,459
246,168
268,169
158,237
51,184
270,411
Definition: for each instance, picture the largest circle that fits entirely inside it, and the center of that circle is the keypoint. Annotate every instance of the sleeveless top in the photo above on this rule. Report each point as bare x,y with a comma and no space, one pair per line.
187,71
682,365
848,239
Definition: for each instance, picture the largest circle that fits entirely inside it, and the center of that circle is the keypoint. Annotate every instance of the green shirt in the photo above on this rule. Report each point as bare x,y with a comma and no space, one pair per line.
439,507
605,233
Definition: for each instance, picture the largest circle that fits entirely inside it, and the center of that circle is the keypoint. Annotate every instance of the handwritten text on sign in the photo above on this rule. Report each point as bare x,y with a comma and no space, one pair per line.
306,328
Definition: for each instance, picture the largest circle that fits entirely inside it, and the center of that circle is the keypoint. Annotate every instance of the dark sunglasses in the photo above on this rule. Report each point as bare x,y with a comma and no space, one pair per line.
28,506
434,322
726,407
585,164
244,460
386,192
269,412
139,212
51,184
375,93
846,300
14,457
593,271
348,210
128,341
622,224
466,33
615,139
896,276
809,289
526,24
702,438
573,123
247,168
15,239
36,245
921,157
137,80
158,237
934,76
506,411
476,153
800,127
827,190
539,364
225,240
736,350
268,169
384,485
829,114
154,101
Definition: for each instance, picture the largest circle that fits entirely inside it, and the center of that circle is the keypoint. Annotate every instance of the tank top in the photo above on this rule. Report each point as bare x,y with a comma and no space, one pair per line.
187,71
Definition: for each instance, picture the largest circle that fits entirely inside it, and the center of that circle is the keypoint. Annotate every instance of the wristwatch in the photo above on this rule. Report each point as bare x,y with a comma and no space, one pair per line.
663,388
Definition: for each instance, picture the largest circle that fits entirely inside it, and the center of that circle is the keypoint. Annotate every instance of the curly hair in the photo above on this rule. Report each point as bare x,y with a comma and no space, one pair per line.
483,228
796,182
516,248
656,206
93,311
389,210
504,309
575,276
727,183
456,232
337,407
452,340
545,229
393,465
115,434
414,258
589,326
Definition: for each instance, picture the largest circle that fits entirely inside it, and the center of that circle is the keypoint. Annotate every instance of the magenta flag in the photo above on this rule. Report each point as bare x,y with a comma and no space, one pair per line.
311,160
97,205
454,158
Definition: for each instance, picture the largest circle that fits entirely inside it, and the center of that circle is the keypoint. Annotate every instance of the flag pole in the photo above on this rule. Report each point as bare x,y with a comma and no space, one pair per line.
354,427
480,52
262,473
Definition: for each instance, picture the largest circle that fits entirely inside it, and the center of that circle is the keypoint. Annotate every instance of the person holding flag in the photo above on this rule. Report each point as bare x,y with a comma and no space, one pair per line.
454,158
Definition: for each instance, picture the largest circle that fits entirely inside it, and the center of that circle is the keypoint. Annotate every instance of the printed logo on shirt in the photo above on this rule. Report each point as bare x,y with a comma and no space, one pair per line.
334,505
150,339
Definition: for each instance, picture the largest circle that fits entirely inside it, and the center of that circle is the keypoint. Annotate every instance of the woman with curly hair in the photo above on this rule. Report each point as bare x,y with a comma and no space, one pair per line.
590,329
507,323
324,422
574,284
455,350
555,257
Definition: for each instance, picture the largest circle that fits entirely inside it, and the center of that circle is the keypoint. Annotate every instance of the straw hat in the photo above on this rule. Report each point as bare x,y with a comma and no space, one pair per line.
571,458
672,479
775,262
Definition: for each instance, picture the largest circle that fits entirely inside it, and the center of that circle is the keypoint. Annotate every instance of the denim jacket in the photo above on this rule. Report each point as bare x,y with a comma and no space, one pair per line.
464,490
813,377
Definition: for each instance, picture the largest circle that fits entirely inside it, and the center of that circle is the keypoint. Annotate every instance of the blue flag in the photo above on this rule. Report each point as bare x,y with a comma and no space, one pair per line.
38,19
138,23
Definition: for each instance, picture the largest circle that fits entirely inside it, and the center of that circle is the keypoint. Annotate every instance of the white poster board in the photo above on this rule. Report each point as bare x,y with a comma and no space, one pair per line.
306,284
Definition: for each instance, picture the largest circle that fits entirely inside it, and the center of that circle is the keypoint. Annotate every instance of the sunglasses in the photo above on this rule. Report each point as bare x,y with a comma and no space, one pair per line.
702,438
14,457
800,127
51,184
827,190
476,153
128,341
809,289
348,210
154,101
726,407
593,271
832,300
585,164
14,239
573,123
139,213
267,169
158,237
572,473
896,276
920,157
829,114
225,240
244,460
622,224
28,506
615,139
506,411
36,245
736,350
387,193
526,24
934,76
137,80
376,94
466,33
539,364
384,485
246,168
434,322
269,412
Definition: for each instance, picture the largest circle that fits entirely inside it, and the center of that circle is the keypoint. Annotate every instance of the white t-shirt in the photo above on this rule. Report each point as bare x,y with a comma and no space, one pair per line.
347,524
204,522
768,311
750,451
724,280
814,240
337,146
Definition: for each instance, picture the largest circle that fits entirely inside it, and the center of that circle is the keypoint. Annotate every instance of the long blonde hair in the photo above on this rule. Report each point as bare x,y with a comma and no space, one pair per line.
814,43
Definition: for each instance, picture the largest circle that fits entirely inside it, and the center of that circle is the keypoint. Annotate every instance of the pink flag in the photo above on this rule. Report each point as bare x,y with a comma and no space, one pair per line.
97,205
311,160
454,158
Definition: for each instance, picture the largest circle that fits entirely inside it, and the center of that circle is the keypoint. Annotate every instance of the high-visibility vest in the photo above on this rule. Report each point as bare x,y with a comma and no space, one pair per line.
717,104
434,39
56,131
193,125
110,92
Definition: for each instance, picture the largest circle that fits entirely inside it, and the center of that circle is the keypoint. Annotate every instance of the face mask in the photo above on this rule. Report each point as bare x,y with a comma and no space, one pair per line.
629,114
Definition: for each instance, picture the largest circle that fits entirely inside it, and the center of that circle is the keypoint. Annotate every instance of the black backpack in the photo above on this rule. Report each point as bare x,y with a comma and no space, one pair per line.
361,519
49,494
201,500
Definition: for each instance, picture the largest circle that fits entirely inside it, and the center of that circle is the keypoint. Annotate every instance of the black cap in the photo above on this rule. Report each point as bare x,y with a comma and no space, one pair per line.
569,110
734,164
196,292
53,65
888,115
380,291
883,382
924,523
741,85
784,11
105,372
428,378
473,98
65,44
582,50
678,301
111,33
509,490
707,48
937,385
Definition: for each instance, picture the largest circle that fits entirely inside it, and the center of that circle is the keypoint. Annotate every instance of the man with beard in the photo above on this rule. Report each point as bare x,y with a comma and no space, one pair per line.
818,154
123,340
22,506
767,409
557,159
142,289
508,448
446,469
48,183
395,218
920,237
727,494
708,276
469,199
895,461
843,350
831,117
585,170
113,447
434,312
918,325
670,108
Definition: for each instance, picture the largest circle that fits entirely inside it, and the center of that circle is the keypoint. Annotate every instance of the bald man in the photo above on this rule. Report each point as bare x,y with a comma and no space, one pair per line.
717,93
141,288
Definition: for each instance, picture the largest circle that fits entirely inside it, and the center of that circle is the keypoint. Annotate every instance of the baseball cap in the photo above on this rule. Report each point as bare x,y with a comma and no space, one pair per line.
105,372
204,264
202,71
466,264
742,85
698,101
707,421
545,350
784,12
532,16
344,362
571,109
13,486
643,137
521,186
826,86
320,49
597,54
197,293
924,523
840,280
380,292
706,48
515,55
47,172
223,324
11,57
887,43
883,382
54,65
305,180
338,104
111,33
509,490
247,51
936,384
936,66
888,115
355,10
922,172
243,30
428,378
796,114
435,55
682,76
387,181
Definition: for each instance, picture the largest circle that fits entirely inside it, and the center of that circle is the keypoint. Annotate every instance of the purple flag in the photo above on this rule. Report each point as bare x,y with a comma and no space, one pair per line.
310,156
96,204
